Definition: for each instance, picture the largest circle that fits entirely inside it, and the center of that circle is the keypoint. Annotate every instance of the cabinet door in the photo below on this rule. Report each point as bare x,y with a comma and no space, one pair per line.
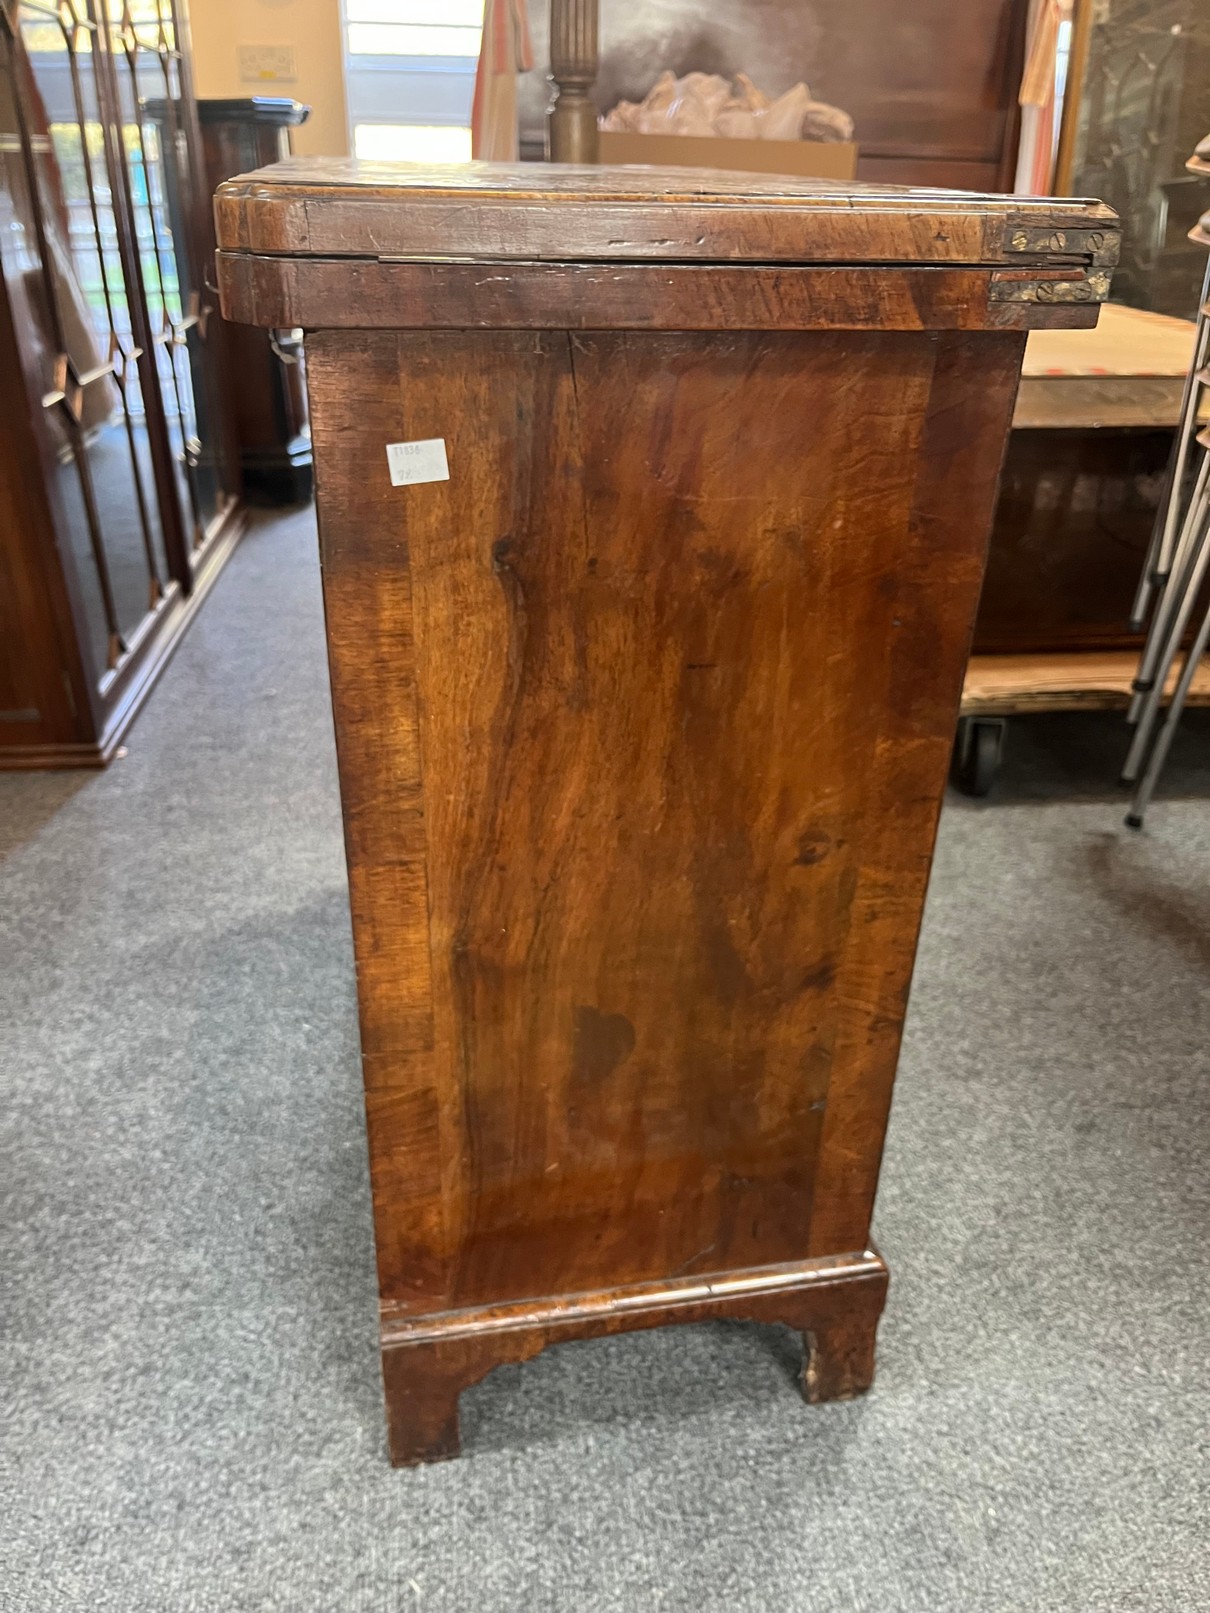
161,157
66,272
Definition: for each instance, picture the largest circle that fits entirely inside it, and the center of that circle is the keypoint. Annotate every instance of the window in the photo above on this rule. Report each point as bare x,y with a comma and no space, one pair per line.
410,73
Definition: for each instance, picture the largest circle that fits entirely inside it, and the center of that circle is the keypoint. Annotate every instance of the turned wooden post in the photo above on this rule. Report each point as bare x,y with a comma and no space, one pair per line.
572,120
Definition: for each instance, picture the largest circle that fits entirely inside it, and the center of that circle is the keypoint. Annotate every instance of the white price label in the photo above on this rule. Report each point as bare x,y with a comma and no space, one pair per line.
411,462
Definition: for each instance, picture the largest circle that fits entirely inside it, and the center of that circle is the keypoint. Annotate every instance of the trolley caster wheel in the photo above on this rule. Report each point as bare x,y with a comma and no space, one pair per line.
980,746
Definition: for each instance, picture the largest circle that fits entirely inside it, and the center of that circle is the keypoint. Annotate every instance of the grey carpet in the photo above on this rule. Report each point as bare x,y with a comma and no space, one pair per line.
192,1416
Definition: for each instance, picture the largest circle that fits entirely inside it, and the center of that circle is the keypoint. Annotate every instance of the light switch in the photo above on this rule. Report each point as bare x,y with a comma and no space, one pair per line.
267,64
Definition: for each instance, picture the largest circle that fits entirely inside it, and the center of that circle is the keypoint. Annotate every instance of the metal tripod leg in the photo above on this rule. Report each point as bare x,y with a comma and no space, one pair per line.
1160,552
1188,587
1146,787
1171,591
1149,579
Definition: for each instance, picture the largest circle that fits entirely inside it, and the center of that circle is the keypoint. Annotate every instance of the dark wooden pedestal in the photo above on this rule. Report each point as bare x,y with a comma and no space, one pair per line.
643,715
267,389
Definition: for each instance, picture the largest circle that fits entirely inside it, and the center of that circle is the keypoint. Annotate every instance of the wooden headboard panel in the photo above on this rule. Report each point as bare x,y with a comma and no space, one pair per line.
932,84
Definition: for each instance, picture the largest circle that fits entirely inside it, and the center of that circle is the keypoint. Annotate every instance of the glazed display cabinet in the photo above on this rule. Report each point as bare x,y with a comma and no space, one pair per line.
118,485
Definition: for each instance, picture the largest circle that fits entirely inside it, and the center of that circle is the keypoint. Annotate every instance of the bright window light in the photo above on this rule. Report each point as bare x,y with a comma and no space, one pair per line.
412,39
410,77
453,13
411,142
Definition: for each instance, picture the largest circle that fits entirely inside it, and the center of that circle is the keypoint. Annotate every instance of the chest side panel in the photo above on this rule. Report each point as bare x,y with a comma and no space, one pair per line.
643,719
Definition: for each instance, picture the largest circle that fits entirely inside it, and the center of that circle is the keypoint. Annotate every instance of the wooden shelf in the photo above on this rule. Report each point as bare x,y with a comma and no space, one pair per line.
1129,372
1080,680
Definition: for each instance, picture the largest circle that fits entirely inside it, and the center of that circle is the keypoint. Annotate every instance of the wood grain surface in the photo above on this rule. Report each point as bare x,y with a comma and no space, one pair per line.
1070,680
834,1304
1073,522
329,207
643,715
643,721
339,293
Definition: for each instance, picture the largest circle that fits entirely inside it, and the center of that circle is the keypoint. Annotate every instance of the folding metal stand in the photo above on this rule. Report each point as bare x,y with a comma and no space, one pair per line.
1176,568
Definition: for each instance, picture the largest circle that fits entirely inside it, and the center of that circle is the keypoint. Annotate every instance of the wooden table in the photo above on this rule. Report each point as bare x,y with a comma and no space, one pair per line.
653,507
1092,430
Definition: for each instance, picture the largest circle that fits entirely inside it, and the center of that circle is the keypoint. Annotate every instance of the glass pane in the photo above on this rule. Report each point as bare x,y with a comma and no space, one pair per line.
93,404
411,142
70,492
1143,106
149,21
189,356
182,435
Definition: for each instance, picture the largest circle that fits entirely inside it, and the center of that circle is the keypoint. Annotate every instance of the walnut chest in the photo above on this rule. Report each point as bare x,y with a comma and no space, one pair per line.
653,508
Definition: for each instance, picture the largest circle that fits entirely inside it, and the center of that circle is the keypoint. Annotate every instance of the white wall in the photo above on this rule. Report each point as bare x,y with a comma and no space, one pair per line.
312,27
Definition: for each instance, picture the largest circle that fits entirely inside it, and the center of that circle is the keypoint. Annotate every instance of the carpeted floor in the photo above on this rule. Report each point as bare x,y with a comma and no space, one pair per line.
191,1406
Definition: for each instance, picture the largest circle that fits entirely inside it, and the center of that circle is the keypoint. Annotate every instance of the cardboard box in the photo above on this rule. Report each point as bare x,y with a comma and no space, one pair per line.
809,159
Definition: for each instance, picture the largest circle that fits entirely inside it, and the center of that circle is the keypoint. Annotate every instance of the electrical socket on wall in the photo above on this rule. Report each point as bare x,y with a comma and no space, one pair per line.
267,64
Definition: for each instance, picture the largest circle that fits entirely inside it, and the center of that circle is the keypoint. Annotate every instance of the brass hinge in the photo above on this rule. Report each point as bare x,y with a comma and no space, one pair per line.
1100,247
1018,287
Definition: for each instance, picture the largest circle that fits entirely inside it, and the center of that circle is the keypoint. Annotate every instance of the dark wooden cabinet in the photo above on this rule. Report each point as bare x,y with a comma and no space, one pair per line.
118,488
653,520
267,395
1070,539
1083,477
931,85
